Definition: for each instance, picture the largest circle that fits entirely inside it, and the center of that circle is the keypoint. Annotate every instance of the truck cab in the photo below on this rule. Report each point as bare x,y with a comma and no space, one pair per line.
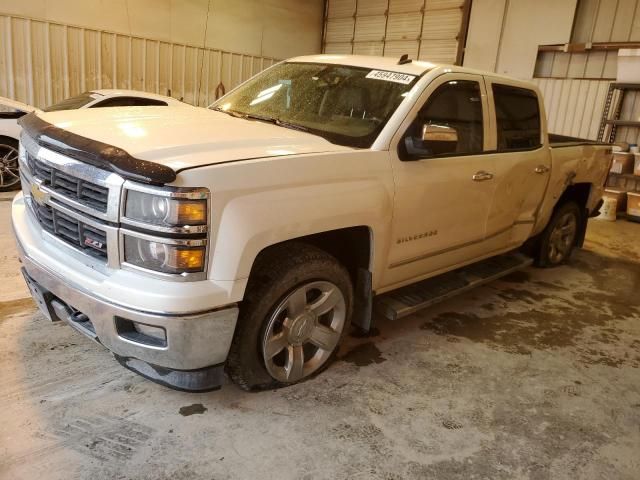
249,236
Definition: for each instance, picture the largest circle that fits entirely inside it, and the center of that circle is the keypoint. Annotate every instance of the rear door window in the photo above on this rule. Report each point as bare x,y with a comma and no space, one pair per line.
517,117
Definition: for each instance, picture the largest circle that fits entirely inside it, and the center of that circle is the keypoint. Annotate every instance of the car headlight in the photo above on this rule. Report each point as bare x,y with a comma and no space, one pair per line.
184,256
169,210
165,230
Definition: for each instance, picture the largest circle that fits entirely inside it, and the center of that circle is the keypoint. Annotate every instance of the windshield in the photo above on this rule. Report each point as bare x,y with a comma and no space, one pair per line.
72,103
346,105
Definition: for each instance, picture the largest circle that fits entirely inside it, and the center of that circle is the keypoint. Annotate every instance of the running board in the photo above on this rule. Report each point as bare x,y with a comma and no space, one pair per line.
407,300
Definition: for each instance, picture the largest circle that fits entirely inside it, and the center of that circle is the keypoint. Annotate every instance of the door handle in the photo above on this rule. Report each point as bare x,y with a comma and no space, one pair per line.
481,176
541,169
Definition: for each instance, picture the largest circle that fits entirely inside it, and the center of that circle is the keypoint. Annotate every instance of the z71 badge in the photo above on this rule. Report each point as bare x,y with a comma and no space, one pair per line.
90,242
430,233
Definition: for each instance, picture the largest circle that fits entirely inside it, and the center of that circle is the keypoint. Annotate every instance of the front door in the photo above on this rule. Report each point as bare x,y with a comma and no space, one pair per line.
444,181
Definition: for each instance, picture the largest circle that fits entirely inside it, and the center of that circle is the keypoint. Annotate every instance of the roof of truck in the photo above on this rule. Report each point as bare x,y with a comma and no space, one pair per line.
414,67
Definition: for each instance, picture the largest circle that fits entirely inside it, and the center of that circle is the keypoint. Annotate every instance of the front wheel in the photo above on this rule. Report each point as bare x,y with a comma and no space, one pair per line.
296,310
559,237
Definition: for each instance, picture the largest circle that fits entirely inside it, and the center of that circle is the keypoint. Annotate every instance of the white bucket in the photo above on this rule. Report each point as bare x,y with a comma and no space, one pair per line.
608,209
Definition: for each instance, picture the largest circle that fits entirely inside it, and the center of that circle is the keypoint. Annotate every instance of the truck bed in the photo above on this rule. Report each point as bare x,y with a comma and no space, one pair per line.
559,141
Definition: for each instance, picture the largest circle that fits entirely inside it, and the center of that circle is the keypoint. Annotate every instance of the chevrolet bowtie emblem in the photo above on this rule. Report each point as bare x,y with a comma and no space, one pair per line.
38,195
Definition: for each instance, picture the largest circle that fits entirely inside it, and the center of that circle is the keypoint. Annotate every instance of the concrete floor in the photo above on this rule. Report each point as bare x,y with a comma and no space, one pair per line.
534,376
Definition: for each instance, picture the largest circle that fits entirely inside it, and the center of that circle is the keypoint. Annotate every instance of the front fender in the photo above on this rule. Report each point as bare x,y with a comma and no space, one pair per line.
259,203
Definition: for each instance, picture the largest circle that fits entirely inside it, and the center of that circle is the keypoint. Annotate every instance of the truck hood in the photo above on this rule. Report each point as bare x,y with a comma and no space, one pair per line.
181,138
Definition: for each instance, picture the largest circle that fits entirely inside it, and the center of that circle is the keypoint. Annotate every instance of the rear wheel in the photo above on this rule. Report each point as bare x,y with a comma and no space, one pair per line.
559,237
9,169
297,308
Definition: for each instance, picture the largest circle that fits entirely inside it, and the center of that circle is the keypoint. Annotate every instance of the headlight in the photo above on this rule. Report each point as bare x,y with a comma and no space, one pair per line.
165,211
186,257
165,230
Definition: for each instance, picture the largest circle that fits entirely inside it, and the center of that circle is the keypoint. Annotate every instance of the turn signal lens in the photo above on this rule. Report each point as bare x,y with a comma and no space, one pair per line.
188,260
164,257
191,212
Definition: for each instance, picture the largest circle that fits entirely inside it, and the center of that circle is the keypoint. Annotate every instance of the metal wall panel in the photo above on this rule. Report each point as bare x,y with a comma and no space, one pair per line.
424,29
575,84
574,106
372,7
341,8
589,65
404,26
370,28
607,21
43,62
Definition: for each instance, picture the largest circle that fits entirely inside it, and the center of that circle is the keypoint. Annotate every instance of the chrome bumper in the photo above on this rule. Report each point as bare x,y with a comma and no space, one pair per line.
193,344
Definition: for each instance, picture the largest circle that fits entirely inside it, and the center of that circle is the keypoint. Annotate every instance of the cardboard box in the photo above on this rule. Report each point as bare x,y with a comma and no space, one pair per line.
633,205
623,162
620,197
636,168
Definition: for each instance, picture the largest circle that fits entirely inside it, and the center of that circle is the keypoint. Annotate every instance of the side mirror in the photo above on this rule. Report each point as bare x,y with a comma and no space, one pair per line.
439,133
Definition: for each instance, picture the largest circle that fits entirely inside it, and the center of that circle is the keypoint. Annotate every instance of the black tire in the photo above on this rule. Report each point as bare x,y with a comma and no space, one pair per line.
559,237
278,274
8,152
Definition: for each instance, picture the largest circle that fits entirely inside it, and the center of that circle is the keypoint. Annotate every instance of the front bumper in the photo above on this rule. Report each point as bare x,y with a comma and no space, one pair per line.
189,357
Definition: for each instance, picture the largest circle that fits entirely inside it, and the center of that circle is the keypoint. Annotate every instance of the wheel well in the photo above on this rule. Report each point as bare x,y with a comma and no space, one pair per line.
351,247
4,138
578,192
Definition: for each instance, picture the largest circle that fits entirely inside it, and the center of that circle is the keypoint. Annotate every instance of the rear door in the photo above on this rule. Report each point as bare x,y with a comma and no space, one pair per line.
522,158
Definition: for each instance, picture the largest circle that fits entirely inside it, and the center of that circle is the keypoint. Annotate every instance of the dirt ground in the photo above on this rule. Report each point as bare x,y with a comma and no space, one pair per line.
536,376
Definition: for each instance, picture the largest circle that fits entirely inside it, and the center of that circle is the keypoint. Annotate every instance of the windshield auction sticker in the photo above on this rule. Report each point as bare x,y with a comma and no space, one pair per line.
391,76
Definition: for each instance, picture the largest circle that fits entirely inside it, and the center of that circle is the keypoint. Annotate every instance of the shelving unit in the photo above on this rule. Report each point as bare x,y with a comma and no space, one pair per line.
608,128
611,117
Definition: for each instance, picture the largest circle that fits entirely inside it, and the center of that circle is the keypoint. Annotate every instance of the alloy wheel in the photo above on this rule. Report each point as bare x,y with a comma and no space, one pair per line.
303,331
9,169
562,237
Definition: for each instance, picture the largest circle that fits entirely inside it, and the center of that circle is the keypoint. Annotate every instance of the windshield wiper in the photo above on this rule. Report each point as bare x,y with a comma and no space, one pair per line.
292,126
263,118
233,113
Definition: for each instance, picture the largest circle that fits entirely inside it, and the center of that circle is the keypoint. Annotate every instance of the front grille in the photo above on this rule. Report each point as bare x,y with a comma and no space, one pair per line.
71,187
78,234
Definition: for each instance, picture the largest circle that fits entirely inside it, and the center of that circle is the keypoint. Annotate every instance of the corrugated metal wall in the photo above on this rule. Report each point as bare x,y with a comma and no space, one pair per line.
574,107
575,84
590,65
607,21
43,62
423,29
596,21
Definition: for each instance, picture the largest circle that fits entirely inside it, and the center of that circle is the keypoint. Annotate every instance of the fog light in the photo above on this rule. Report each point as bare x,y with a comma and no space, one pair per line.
141,333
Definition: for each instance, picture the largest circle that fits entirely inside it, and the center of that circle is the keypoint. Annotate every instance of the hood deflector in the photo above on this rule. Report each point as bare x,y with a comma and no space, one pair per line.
95,153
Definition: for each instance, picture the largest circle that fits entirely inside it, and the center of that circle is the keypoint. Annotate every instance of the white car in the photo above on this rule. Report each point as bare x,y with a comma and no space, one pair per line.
12,110
249,236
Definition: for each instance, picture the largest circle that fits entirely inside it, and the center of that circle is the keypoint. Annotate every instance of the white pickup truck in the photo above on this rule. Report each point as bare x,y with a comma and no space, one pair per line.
246,237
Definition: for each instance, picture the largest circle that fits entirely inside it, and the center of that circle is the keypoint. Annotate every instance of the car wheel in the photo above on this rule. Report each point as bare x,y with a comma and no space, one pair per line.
296,311
9,168
559,237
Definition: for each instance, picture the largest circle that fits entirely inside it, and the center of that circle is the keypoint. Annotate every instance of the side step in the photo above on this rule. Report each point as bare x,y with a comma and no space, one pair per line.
407,300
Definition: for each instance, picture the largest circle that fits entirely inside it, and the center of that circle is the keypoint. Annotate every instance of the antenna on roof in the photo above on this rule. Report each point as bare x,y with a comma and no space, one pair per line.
404,59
